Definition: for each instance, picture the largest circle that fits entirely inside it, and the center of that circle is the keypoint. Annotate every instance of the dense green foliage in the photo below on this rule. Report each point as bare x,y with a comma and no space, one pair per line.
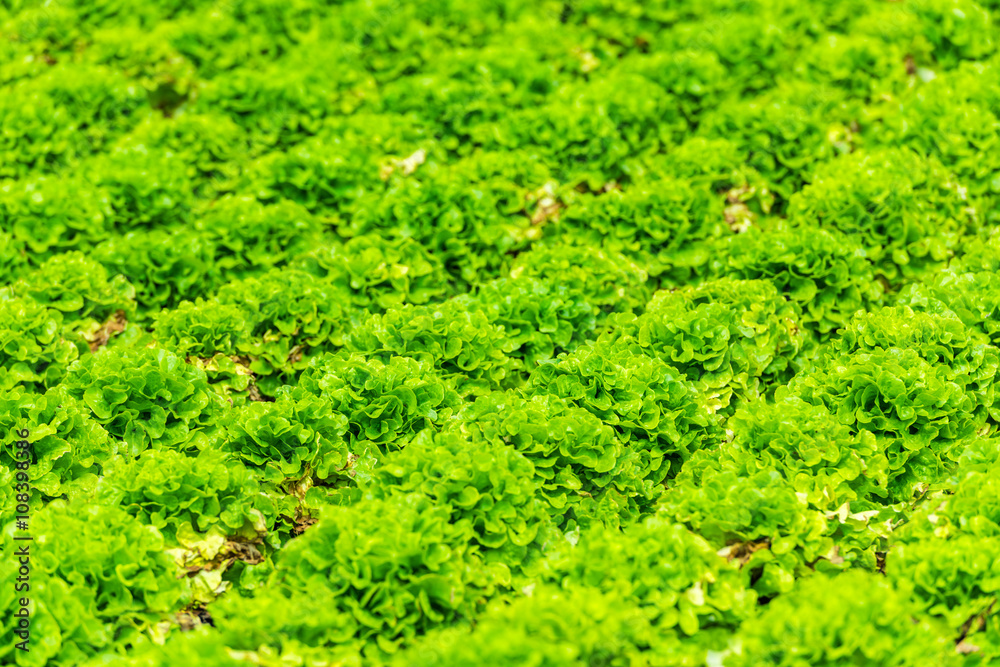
354,333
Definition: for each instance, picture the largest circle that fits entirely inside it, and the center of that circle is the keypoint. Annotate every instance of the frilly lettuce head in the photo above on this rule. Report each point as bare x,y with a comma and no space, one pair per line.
655,411
462,344
673,575
587,474
34,350
297,435
539,319
376,573
250,238
793,490
79,287
903,208
754,519
948,553
608,281
380,273
941,339
201,328
548,626
69,448
821,457
147,397
386,403
853,618
825,272
973,297
175,492
99,578
727,336
917,412
487,485
284,332
665,225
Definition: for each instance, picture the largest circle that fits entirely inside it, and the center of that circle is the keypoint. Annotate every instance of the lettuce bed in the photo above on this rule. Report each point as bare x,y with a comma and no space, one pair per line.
497,332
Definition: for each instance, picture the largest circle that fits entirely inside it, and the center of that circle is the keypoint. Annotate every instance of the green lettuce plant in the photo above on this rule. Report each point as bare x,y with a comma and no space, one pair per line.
79,287
69,448
957,31
210,142
609,281
250,237
56,28
539,319
547,627
666,225
13,262
462,91
142,52
755,60
716,162
202,328
917,412
973,297
733,338
854,618
35,351
178,494
291,316
96,592
655,412
486,484
380,273
954,579
945,555
62,116
820,456
903,208
696,77
76,214
470,215
297,435
165,266
210,337
146,397
596,125
461,343
791,490
753,517
144,188
941,339
826,273
786,132
950,117
673,575
322,175
387,403
865,67
374,575
278,104
586,472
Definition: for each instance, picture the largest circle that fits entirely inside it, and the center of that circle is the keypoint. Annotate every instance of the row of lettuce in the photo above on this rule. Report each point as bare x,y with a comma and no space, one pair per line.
501,332
477,459
589,85
471,148
168,200
869,222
